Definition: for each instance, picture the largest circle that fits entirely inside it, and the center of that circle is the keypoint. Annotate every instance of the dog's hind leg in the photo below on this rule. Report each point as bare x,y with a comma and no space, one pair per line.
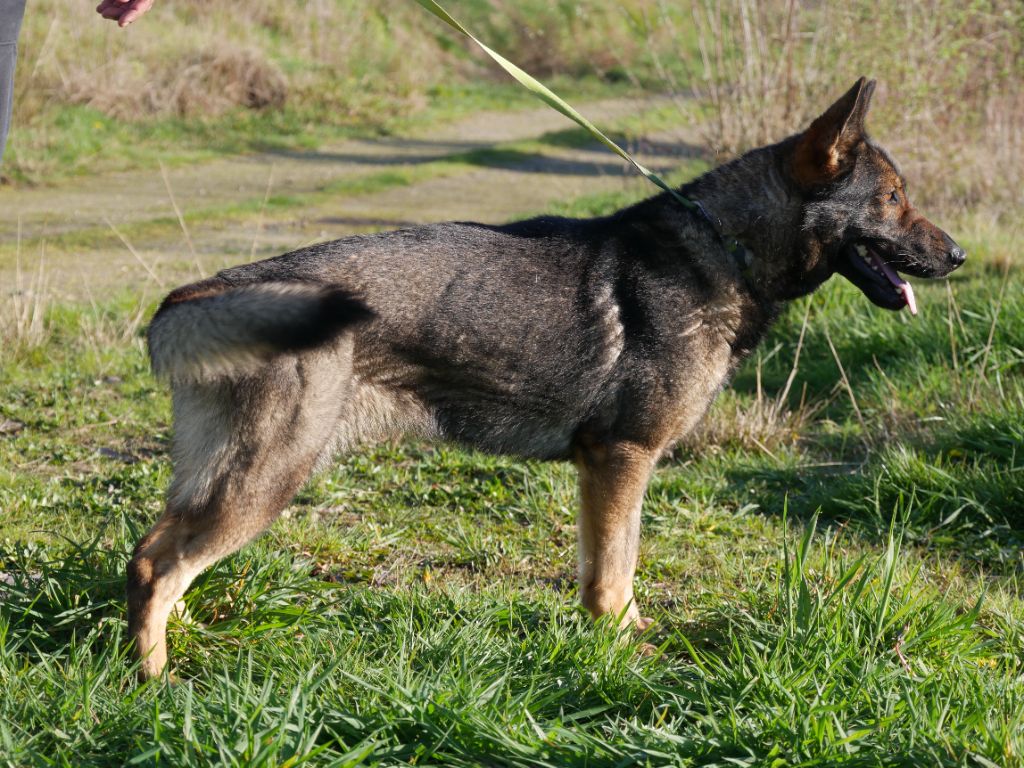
613,478
242,450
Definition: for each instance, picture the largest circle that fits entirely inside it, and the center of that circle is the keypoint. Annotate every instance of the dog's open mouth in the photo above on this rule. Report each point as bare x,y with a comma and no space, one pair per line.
866,268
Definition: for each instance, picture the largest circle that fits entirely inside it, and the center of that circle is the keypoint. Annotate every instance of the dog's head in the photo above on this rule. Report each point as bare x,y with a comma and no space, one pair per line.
858,220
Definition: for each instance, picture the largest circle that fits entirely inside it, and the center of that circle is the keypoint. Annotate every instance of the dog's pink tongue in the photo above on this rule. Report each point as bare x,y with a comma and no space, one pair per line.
901,285
908,294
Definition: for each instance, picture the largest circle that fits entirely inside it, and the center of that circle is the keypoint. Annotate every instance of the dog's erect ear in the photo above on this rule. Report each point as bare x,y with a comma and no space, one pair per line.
823,151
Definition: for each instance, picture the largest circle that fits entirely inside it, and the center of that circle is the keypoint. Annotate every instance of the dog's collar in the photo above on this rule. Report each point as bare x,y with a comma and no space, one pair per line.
742,255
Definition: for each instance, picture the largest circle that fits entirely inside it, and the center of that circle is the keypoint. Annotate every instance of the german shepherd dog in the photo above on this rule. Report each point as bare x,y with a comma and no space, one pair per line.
600,341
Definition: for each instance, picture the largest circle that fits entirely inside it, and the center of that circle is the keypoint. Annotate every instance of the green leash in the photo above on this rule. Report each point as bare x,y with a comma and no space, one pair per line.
740,253
555,101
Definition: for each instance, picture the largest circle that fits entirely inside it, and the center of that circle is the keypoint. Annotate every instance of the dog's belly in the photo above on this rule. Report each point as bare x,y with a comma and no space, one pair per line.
507,383
506,409
487,424
479,417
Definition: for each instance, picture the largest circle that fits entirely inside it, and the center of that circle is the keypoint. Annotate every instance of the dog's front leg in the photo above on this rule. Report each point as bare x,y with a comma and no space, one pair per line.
613,478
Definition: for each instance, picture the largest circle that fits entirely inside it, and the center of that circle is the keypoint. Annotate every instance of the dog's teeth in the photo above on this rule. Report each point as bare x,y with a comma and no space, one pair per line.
861,251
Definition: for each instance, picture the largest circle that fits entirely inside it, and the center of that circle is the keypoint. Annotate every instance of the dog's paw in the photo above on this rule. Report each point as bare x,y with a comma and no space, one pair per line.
646,650
640,626
642,623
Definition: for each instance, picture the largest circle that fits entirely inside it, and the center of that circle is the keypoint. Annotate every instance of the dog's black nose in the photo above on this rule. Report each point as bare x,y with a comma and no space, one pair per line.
957,255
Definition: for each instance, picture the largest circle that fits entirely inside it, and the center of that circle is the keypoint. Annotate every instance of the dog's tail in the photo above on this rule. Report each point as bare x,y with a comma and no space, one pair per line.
211,329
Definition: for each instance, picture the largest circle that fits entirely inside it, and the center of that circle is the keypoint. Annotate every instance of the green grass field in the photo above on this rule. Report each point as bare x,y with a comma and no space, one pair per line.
835,577
834,561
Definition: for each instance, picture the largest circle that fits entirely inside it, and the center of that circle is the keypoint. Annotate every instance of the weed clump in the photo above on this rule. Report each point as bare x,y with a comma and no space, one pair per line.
201,84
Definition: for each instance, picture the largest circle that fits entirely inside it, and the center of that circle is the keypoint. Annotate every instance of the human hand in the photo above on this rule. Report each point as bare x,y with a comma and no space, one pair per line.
124,12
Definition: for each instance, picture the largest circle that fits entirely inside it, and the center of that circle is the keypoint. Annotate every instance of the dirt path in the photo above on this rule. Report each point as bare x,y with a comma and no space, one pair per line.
84,258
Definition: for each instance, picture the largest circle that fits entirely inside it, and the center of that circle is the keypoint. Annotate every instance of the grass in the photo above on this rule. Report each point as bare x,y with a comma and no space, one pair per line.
950,75
507,154
834,560
79,140
845,589
344,674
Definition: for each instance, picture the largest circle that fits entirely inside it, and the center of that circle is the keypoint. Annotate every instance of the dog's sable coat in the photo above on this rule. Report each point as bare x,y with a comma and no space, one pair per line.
601,341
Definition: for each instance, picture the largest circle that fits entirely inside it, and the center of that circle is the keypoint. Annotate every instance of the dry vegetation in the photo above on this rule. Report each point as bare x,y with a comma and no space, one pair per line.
157,69
337,58
950,76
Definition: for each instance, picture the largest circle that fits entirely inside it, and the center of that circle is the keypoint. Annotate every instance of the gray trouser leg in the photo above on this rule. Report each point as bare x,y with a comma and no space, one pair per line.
11,12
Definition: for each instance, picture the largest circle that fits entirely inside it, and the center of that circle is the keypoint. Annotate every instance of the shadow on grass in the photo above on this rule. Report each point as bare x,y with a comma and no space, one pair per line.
483,155
972,508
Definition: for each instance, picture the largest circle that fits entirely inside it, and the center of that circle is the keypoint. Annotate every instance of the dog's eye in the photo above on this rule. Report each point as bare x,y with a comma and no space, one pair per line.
894,197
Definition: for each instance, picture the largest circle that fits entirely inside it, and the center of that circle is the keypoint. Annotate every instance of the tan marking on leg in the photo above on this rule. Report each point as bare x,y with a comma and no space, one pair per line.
155,581
182,544
613,479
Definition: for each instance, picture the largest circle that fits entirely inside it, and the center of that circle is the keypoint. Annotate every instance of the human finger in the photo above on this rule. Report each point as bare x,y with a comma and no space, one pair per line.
138,8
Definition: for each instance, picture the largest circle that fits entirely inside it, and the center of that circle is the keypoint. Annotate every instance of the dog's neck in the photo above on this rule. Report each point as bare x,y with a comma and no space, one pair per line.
751,200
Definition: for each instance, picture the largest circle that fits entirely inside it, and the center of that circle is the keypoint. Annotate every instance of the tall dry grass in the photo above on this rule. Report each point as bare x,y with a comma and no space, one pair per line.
950,101
198,60
24,305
